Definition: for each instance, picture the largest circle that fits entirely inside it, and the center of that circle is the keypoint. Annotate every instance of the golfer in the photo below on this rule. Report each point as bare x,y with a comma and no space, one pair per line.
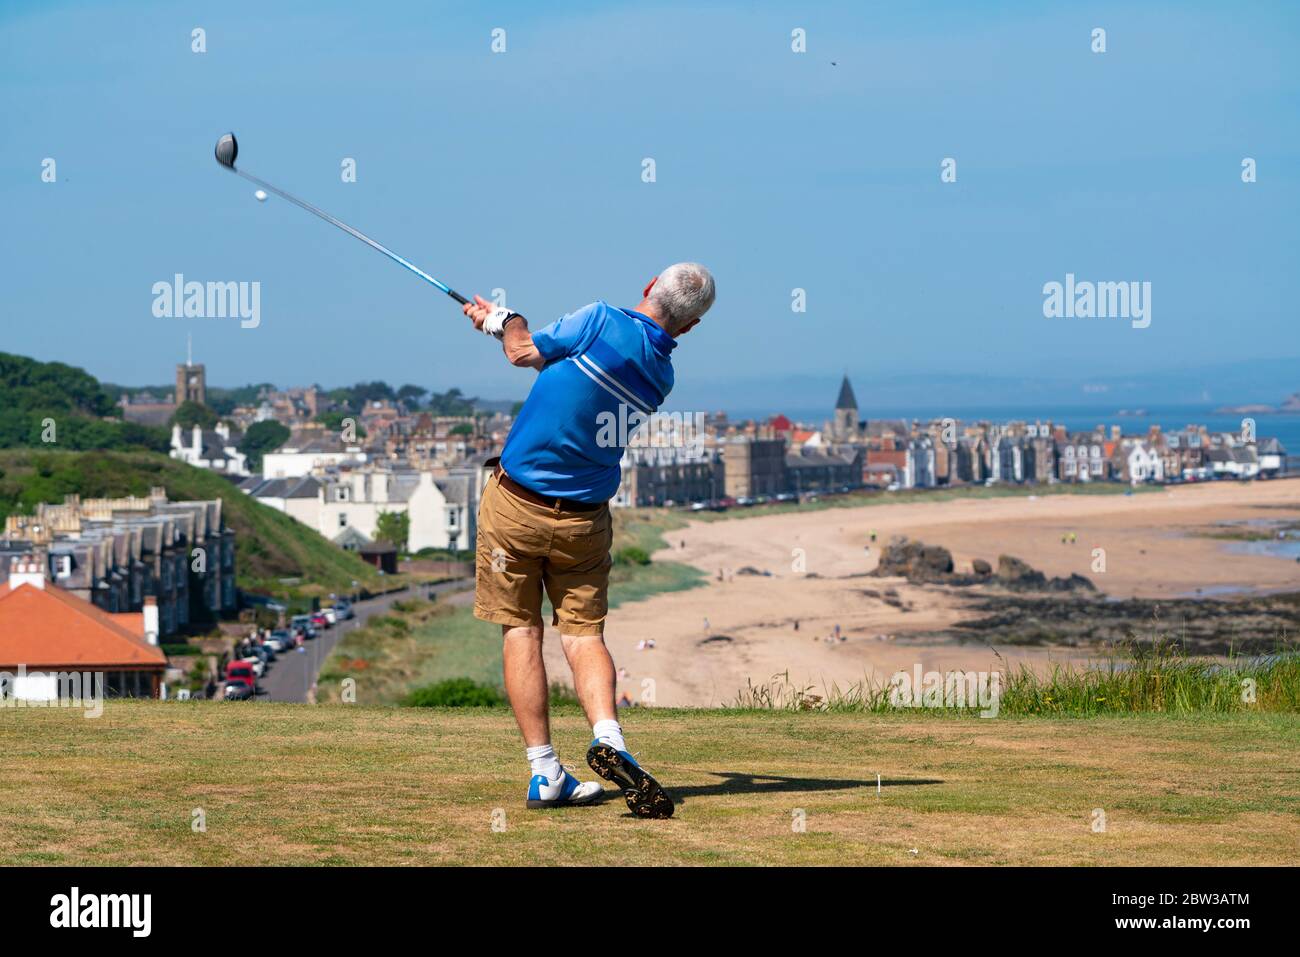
544,521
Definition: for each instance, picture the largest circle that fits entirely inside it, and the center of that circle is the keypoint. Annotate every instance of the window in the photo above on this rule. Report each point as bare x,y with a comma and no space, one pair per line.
451,518
343,519
63,566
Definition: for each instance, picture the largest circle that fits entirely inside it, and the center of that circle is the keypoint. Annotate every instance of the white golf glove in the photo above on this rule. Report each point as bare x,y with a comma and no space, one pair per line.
494,325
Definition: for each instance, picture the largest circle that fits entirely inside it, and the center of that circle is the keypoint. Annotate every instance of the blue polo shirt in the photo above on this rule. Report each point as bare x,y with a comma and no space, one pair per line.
606,369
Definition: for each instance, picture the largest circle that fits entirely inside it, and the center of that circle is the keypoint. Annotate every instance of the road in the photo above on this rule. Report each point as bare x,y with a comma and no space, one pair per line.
293,673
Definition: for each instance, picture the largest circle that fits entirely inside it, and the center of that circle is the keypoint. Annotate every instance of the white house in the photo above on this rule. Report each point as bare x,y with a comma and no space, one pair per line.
1235,462
212,449
438,507
1142,462
343,504
1272,457
305,453
298,498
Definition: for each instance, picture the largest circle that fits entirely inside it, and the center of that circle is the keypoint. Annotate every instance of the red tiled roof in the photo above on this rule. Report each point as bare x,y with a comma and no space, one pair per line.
49,627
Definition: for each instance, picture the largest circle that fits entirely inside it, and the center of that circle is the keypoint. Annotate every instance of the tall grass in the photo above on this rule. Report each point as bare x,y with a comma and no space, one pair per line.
1134,678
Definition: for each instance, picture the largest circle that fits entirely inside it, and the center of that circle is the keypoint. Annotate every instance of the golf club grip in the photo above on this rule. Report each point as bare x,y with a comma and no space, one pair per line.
458,297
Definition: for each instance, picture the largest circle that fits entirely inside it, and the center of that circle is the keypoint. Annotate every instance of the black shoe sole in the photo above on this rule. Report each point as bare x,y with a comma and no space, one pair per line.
644,796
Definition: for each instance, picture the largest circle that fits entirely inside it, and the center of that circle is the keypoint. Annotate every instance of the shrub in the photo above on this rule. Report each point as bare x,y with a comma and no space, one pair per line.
631,555
455,693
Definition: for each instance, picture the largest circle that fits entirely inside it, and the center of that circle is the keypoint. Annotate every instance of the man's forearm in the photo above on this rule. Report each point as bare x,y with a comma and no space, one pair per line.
517,342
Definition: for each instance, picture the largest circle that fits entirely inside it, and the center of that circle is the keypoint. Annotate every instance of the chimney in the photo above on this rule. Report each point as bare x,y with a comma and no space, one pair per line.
151,619
27,570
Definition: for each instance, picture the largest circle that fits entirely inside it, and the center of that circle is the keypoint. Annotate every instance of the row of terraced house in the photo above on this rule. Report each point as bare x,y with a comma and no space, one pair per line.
118,553
750,460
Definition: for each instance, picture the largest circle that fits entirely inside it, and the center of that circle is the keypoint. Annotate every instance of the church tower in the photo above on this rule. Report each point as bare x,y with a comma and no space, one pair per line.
845,424
191,382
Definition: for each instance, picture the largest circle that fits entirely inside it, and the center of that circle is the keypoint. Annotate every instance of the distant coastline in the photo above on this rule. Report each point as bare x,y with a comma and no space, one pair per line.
1289,405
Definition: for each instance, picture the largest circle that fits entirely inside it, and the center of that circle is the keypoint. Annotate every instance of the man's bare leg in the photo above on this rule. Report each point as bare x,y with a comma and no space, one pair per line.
593,675
525,674
593,680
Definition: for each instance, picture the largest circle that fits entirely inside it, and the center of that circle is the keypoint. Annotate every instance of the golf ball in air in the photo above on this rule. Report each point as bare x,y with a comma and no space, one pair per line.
260,196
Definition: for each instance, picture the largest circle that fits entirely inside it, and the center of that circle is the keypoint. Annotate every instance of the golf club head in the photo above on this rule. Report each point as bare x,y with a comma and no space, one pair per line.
227,150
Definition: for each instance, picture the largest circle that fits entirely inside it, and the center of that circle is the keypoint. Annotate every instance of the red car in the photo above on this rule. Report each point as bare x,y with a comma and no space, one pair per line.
319,621
242,672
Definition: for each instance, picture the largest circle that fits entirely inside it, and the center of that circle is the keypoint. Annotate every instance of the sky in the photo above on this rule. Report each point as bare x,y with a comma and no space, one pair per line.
522,170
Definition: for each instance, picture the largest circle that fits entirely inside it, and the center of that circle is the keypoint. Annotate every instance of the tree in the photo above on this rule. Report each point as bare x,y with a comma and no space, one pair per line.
49,403
412,395
189,414
394,528
262,437
463,429
451,402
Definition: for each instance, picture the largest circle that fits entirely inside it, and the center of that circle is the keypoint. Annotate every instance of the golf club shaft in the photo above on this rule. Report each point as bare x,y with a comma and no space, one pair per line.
357,233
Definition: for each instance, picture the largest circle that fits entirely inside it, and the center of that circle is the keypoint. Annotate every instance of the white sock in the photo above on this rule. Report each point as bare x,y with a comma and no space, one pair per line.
542,760
610,733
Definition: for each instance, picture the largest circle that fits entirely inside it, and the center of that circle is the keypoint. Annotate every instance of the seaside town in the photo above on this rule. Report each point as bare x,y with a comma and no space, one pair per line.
116,579
591,435
399,458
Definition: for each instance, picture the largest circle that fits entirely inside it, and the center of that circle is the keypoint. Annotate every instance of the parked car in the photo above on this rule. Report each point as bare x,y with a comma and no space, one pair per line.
319,621
330,616
343,609
259,666
242,671
303,624
283,639
236,691
268,648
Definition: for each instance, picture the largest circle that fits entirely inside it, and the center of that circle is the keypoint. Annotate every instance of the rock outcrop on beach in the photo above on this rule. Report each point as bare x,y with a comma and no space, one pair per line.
1246,626
932,564
915,561
1021,576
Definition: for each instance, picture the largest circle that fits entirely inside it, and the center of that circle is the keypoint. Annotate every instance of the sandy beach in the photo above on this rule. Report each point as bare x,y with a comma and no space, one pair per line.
1155,544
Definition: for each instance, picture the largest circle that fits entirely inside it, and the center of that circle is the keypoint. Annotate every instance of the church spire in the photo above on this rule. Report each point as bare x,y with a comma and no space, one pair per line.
846,400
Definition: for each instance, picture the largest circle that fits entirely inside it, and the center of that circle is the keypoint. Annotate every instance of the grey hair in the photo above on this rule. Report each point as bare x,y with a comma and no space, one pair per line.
683,293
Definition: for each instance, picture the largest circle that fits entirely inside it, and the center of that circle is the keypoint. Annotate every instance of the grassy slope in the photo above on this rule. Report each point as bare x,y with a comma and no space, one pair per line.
288,784
447,641
270,544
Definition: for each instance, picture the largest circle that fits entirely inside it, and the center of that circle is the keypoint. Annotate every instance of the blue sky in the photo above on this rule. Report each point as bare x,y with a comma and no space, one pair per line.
522,170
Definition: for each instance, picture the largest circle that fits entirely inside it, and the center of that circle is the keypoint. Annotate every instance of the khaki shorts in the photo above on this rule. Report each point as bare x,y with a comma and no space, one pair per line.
523,547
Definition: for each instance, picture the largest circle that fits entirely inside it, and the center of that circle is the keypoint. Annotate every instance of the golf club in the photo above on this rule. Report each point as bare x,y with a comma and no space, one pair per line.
226,151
